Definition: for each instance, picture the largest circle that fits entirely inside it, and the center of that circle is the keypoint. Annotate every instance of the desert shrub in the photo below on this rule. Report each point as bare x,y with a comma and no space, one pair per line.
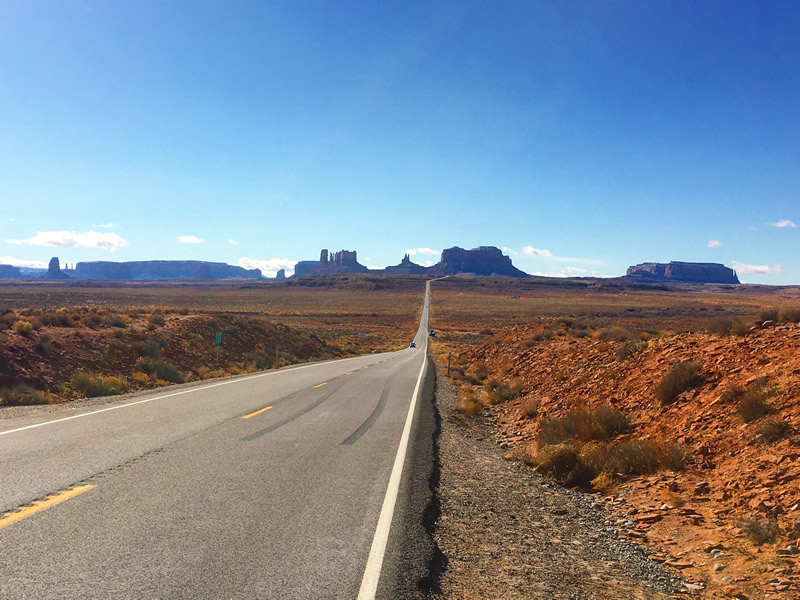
724,326
467,402
634,457
151,348
594,455
22,395
117,321
547,334
183,311
672,457
732,394
96,385
93,321
162,370
156,319
760,532
628,349
604,482
482,372
615,334
140,378
584,424
259,360
499,392
561,462
22,327
530,407
770,314
56,319
44,346
790,315
753,404
773,430
682,376
487,332
581,333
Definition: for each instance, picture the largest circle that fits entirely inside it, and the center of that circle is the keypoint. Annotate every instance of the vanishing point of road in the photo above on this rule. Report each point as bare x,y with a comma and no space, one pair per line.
303,482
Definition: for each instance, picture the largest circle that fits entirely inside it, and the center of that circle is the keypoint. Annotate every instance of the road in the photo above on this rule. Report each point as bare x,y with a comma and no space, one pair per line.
306,482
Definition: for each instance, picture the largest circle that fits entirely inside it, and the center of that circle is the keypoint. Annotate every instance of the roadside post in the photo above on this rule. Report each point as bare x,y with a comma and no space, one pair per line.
277,355
218,342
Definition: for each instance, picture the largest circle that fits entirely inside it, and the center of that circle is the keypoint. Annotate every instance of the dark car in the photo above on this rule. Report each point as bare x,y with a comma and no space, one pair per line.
412,345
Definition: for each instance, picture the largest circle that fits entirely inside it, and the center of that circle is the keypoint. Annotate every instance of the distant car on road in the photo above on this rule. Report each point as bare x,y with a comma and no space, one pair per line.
412,345
432,333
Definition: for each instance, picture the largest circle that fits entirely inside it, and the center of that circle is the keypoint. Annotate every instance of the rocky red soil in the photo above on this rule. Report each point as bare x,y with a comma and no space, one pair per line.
690,519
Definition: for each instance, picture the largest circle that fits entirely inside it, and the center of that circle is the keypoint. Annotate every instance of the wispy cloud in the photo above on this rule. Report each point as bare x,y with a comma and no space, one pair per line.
425,251
190,239
531,251
568,272
783,223
22,262
714,244
745,269
233,242
269,266
70,239
104,225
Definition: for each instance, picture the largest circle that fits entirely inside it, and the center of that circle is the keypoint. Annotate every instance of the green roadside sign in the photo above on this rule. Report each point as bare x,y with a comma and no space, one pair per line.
219,337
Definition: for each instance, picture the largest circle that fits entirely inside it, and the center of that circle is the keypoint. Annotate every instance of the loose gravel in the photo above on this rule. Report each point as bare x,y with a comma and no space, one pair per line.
508,533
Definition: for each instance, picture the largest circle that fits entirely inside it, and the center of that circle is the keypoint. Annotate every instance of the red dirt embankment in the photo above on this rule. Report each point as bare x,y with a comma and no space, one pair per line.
691,519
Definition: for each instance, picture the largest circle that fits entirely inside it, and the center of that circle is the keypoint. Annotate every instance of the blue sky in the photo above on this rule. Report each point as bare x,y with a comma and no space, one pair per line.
582,136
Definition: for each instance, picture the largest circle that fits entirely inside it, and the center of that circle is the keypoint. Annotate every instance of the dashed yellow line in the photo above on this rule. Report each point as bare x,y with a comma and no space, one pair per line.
321,384
349,373
41,505
256,412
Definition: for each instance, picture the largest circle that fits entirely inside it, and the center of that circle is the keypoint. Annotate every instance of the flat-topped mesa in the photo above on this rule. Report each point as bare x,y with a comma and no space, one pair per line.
9,272
344,261
685,272
483,260
406,267
161,270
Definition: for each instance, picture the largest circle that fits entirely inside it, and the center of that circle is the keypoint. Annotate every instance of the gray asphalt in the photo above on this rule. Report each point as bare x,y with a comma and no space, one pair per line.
193,501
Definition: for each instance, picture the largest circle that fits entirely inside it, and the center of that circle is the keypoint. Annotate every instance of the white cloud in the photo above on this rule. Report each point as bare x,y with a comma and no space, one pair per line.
784,223
427,263
714,244
190,239
531,251
425,251
22,262
104,225
744,269
576,270
270,266
69,239
233,242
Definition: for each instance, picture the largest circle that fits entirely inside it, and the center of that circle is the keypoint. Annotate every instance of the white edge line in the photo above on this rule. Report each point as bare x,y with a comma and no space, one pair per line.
189,391
372,572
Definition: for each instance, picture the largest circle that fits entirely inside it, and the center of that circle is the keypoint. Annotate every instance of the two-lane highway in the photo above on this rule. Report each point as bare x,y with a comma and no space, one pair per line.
277,485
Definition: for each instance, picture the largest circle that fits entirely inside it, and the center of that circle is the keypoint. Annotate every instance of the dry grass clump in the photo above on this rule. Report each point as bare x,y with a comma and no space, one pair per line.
468,402
725,326
682,376
629,349
500,392
583,424
773,430
768,314
561,462
790,315
633,457
96,385
160,369
760,532
22,395
22,327
672,457
753,402
530,407
615,334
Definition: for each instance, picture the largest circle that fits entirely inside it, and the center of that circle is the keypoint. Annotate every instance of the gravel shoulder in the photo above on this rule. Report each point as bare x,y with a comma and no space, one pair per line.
508,533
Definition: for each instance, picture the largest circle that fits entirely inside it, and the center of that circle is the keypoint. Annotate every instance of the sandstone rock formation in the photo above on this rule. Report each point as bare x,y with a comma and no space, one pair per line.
161,270
483,260
684,272
9,272
406,267
344,261
54,270
281,274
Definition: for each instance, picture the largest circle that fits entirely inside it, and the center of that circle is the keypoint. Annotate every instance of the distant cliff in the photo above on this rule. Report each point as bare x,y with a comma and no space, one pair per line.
161,269
9,272
54,270
483,260
684,272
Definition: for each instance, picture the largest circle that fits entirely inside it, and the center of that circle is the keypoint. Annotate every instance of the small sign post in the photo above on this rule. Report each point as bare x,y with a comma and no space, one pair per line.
218,342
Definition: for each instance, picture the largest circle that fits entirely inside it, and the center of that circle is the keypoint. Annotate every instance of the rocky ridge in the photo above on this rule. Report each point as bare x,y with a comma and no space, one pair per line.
690,519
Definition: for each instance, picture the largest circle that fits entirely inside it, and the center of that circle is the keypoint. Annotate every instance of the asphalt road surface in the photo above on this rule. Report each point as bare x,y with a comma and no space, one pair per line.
307,482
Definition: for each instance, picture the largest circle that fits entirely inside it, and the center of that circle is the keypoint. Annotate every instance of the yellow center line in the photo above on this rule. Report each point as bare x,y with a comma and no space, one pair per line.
321,384
349,373
256,412
41,505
